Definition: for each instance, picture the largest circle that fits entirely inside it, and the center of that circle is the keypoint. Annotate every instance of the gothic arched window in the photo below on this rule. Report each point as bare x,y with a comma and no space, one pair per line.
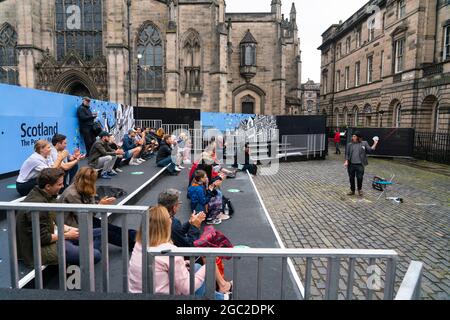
151,64
8,56
192,62
79,26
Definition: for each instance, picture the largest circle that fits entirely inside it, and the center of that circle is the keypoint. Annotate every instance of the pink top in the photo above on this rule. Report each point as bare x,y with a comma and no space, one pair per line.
161,275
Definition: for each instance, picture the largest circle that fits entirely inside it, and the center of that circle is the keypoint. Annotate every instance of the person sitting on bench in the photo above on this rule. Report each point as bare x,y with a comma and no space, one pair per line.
33,166
164,157
83,191
69,164
50,182
251,167
132,151
102,156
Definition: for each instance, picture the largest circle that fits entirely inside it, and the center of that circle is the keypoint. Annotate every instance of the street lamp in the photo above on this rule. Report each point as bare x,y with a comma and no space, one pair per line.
139,57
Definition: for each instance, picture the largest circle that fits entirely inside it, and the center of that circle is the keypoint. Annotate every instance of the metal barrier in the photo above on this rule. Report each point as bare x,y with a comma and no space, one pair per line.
171,128
432,146
85,216
304,145
334,256
411,285
156,124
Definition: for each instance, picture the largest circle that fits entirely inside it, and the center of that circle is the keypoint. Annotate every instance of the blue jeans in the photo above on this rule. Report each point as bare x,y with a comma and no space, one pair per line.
202,290
166,161
73,249
115,234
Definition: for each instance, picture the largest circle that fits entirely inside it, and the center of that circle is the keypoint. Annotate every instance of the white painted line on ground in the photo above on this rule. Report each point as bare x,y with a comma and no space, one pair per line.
121,203
280,242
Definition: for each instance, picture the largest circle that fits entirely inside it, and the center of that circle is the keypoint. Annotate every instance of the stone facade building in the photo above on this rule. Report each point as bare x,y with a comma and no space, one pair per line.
310,98
388,65
183,53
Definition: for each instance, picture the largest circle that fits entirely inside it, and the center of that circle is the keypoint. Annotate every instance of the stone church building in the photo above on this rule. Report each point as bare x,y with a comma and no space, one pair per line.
182,53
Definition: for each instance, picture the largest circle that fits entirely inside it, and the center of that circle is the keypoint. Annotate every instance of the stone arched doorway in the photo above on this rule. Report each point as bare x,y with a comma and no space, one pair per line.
430,116
247,97
78,89
76,83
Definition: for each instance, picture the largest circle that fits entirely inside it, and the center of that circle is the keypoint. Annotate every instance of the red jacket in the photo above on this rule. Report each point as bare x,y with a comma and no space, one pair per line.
337,137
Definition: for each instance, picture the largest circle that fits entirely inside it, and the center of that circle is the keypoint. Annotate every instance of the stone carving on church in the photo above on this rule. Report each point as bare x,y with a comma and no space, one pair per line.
92,74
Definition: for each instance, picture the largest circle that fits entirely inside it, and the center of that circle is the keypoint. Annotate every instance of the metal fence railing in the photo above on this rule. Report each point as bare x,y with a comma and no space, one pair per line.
85,216
411,285
410,288
334,256
309,145
432,146
156,124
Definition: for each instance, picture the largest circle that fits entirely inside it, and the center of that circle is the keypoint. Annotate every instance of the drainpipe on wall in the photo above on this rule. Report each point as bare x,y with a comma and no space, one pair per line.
436,30
333,83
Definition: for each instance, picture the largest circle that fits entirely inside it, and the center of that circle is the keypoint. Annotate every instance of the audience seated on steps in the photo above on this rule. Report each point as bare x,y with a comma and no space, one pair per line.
50,182
183,235
83,191
199,193
103,157
164,157
160,238
188,234
38,161
249,165
70,163
215,210
151,140
132,151
119,161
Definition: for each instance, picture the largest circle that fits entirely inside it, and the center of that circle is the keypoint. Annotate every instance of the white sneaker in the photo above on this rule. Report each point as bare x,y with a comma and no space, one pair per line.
119,170
181,167
177,169
141,160
134,162
223,217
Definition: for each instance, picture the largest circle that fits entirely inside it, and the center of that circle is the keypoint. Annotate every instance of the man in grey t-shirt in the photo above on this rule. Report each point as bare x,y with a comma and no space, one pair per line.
356,160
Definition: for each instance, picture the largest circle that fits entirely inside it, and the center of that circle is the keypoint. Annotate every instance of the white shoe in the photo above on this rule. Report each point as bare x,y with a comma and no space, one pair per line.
119,170
134,162
181,167
141,160
223,217
177,169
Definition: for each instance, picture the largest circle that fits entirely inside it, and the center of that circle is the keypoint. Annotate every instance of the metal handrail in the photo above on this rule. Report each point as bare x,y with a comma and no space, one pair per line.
411,284
85,214
334,256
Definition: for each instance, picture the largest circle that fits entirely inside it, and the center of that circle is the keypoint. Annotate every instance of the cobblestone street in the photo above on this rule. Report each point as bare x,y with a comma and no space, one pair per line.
309,206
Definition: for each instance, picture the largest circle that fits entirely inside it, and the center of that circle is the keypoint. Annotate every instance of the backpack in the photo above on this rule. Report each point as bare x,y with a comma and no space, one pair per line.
227,206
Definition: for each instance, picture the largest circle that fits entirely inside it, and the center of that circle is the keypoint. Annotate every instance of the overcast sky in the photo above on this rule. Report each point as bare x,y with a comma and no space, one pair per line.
313,18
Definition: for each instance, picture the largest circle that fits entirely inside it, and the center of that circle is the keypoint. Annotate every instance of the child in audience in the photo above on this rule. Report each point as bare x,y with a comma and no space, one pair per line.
215,206
198,192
